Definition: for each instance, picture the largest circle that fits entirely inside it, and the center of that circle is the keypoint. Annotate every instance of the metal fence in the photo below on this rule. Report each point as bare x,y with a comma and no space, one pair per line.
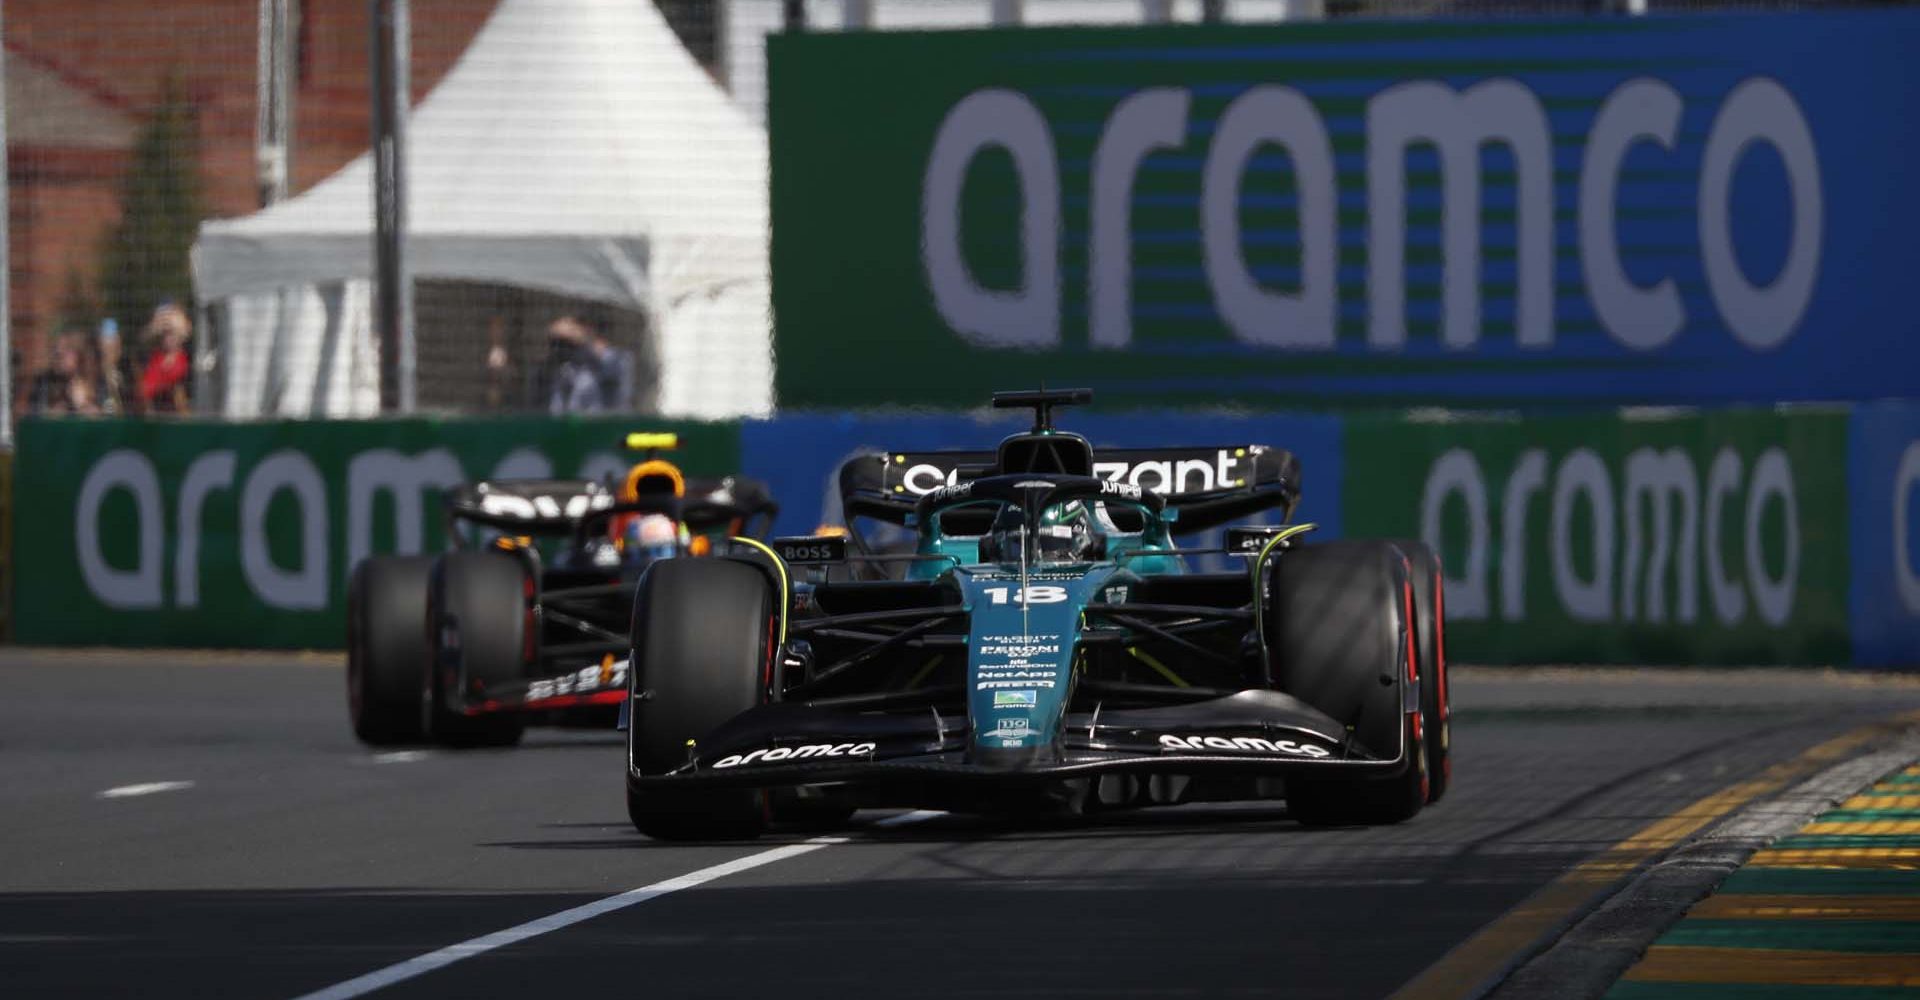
137,130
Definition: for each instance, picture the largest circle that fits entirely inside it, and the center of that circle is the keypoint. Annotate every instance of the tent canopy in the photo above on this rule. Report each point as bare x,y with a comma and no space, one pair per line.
576,147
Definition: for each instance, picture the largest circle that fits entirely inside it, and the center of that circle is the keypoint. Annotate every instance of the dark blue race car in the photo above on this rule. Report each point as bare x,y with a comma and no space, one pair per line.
1044,642
527,619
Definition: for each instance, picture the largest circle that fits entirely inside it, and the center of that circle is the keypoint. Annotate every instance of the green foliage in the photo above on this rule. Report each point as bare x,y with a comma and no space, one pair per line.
145,257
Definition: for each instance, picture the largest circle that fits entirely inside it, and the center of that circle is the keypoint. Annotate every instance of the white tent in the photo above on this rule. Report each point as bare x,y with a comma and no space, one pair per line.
577,148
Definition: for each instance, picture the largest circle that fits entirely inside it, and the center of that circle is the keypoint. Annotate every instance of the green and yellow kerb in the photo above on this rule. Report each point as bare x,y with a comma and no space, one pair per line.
1831,912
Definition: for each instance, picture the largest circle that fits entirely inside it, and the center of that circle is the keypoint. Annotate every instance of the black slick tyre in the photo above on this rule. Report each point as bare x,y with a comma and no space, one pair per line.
478,606
1338,628
387,649
1430,645
703,641
1351,802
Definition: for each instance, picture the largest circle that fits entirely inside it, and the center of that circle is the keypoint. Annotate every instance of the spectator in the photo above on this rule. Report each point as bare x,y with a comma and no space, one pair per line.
163,387
499,363
590,374
63,388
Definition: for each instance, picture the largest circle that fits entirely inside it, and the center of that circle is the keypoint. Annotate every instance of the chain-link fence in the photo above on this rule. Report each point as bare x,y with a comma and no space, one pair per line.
191,199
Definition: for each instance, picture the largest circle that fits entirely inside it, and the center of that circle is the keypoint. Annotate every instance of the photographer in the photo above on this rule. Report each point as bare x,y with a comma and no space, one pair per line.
588,373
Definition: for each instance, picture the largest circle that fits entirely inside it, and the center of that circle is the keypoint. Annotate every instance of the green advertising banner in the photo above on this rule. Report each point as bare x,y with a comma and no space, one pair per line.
190,534
1673,539
1468,212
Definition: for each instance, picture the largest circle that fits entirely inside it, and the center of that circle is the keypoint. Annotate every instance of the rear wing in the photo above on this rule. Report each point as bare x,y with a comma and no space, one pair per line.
1209,486
576,507
528,506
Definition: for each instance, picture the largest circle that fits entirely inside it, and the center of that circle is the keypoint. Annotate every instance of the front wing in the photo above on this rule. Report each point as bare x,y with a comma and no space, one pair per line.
1251,733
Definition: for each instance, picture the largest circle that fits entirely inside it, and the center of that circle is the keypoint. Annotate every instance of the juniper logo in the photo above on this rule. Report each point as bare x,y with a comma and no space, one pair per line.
1640,312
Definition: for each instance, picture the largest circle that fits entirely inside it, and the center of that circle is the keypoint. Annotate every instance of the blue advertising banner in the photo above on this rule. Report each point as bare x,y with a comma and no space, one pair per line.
799,454
1884,498
1687,209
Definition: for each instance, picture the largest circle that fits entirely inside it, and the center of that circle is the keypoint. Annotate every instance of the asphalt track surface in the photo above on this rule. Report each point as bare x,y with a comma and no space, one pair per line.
296,859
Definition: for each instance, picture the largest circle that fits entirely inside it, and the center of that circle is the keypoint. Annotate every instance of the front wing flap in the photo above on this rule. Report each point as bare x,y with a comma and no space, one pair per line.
1249,733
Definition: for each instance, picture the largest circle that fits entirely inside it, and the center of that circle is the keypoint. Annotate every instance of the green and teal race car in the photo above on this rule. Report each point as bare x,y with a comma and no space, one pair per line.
1042,643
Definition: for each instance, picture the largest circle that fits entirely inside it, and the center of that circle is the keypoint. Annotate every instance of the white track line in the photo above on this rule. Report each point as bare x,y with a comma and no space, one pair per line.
423,964
129,791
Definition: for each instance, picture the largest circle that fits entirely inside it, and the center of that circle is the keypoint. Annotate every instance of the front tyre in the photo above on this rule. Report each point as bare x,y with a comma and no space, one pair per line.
1430,644
703,643
1338,627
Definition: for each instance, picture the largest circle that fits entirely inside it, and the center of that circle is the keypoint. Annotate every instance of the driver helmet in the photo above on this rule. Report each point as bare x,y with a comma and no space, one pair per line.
1066,532
654,536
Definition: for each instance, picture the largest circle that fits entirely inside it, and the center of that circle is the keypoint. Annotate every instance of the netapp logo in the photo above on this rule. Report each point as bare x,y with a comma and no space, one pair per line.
797,753
1242,744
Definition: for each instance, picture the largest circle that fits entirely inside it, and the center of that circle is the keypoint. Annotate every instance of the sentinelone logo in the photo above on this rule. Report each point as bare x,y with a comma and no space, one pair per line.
1457,124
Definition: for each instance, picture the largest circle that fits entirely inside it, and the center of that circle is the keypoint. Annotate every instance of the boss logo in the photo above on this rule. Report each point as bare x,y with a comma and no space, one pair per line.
811,550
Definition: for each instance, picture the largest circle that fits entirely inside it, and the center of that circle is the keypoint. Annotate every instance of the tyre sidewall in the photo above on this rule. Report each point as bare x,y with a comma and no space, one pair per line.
1430,645
1340,636
478,611
387,649
702,653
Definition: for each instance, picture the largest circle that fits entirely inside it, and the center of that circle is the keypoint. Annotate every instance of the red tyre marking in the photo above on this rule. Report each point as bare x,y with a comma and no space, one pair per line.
1440,642
1413,663
1413,678
1440,664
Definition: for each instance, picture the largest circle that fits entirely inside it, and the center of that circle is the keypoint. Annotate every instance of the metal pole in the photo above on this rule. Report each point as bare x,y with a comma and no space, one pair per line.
393,312
1213,11
273,116
793,15
1006,13
6,275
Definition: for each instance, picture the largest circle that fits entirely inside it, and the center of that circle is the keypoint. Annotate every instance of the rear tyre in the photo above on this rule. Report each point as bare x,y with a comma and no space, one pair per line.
387,650
479,612
1338,629
1430,644
703,638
